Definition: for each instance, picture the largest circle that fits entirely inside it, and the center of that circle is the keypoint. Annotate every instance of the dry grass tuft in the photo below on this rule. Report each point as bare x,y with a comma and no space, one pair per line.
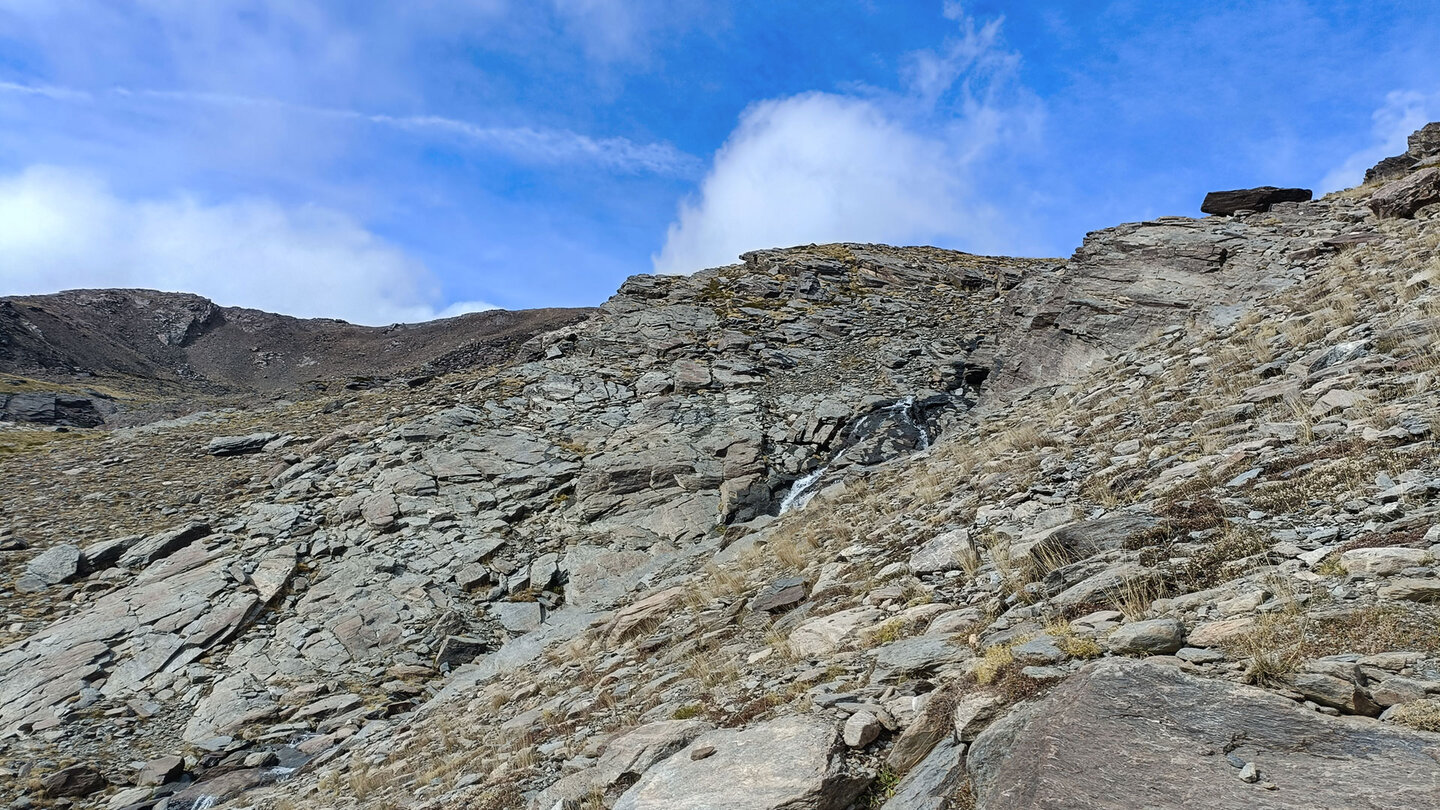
1420,714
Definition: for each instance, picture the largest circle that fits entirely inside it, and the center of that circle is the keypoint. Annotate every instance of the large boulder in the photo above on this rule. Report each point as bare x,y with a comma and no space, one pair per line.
791,763
53,566
54,409
1226,203
1131,734
160,546
1402,198
1151,637
72,782
948,551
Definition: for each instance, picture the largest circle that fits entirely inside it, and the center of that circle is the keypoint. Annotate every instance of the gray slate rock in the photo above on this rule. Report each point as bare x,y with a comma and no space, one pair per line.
1152,637
949,551
1402,198
920,654
1411,590
934,724
457,650
160,771
106,553
861,729
1038,651
160,546
71,782
57,564
517,617
1337,693
784,764
932,784
1130,734
780,594
627,757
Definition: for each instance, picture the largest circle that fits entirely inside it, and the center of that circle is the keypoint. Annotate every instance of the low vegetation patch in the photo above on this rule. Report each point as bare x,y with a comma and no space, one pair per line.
1280,642
1421,714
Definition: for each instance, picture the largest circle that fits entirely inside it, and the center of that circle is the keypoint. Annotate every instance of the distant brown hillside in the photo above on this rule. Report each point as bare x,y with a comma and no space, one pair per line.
183,342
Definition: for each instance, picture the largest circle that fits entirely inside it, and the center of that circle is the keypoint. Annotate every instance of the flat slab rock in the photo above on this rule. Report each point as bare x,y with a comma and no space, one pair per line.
239,445
1226,203
789,763
1130,734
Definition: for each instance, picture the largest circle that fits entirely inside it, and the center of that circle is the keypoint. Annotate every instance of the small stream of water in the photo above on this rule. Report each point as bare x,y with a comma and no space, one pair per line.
805,487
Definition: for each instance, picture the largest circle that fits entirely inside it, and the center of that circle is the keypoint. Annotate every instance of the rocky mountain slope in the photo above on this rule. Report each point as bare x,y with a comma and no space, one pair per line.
77,357
837,526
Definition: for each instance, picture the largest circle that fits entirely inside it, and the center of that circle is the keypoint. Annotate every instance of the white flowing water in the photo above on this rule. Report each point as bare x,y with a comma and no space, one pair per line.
804,487
204,803
904,411
801,491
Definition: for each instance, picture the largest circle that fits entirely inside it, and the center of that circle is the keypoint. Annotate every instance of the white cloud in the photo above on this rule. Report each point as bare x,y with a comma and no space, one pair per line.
62,229
814,168
897,167
1403,112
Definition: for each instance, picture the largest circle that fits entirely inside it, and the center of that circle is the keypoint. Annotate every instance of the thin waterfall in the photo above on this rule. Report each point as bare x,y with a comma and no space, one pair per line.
801,491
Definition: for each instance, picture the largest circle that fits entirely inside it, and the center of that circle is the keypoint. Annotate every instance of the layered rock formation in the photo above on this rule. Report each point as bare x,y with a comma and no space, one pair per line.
836,526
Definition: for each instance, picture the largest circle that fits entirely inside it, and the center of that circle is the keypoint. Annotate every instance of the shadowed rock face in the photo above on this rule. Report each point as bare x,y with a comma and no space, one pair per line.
1129,734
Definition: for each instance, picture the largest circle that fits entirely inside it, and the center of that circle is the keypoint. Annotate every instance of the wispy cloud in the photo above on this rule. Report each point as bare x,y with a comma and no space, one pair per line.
526,143
42,91
556,145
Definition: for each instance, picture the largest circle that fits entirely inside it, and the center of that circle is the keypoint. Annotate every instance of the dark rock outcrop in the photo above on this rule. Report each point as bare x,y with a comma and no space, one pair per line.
54,409
1226,203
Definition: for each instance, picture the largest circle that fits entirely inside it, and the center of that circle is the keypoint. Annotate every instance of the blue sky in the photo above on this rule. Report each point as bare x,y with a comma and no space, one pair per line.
382,161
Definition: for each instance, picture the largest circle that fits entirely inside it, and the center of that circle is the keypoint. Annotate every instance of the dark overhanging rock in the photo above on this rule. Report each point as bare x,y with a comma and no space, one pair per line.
1226,203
